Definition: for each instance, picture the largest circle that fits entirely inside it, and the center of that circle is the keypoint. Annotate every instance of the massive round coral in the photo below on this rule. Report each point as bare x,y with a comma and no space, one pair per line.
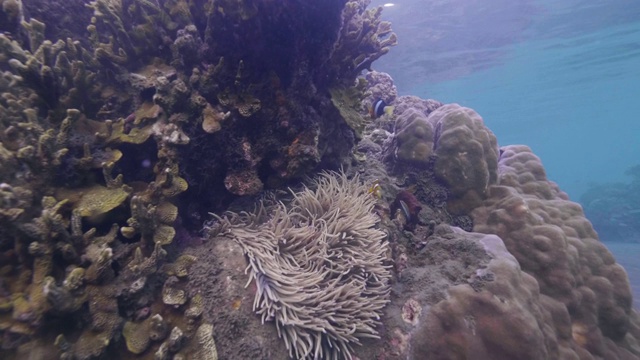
580,282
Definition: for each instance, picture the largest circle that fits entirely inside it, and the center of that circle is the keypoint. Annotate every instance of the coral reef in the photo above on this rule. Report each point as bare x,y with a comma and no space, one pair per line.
123,122
110,141
519,274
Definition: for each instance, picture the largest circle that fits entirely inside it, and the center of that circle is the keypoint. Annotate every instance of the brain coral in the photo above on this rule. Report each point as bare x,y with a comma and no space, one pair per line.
580,282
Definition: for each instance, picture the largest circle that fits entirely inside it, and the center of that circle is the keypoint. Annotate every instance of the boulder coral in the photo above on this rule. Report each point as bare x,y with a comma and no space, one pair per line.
554,242
414,138
505,319
463,150
466,155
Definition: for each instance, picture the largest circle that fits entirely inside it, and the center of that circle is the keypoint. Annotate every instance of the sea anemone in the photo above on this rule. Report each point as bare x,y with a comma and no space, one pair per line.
319,265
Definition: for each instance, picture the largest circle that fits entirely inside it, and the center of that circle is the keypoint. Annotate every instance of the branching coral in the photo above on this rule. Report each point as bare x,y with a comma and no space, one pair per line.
54,140
363,38
136,31
58,72
10,14
318,265
71,108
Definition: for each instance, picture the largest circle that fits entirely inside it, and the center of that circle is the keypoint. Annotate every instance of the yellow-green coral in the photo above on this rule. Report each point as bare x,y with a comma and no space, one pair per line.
243,101
348,101
171,294
180,267
11,12
136,335
196,307
120,35
70,296
239,10
179,11
212,119
100,268
205,345
164,234
94,200
57,72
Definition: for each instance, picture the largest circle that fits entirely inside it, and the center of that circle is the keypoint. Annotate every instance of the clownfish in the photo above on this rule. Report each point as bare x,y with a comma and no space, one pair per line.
375,189
379,108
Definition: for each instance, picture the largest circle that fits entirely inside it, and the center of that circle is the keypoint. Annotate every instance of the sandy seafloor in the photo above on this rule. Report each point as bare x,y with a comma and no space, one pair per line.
628,255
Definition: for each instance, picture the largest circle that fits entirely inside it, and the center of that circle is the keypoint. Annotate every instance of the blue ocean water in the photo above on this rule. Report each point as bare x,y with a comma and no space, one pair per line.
627,255
573,101
562,77
559,76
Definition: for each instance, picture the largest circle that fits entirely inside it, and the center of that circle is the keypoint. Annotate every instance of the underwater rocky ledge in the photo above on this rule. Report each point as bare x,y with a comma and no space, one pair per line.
203,180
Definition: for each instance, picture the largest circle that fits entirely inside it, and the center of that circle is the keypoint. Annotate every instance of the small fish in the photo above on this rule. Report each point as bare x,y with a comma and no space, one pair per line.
408,205
236,304
375,189
379,108
405,210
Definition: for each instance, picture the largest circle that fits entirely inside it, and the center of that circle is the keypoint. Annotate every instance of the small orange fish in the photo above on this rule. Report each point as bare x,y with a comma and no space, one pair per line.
375,189
236,304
